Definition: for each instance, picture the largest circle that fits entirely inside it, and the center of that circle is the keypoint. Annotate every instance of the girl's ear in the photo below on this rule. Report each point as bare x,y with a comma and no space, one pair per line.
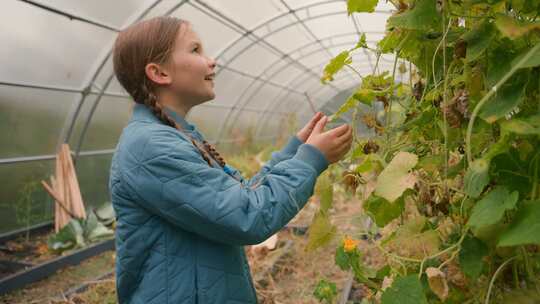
157,74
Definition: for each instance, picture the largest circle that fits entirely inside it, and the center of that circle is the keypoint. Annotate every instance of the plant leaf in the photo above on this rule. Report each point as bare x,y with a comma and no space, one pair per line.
423,16
532,62
405,290
525,228
396,178
325,190
471,254
476,178
382,211
321,231
437,282
478,40
94,230
512,28
523,126
490,209
361,6
505,100
335,65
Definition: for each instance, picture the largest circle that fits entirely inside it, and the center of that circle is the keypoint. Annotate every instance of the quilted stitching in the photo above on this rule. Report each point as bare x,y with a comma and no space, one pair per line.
172,208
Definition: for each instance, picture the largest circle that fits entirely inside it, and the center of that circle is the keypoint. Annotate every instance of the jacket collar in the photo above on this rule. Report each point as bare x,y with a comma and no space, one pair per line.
143,113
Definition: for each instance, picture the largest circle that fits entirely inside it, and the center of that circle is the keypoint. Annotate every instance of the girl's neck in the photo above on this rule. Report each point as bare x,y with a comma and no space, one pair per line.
173,103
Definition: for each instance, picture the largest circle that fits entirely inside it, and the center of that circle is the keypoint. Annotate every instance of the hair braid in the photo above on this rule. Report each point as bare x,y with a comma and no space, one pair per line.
206,150
151,41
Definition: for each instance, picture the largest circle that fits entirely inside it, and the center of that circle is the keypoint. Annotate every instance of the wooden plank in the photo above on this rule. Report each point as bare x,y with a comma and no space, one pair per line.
75,190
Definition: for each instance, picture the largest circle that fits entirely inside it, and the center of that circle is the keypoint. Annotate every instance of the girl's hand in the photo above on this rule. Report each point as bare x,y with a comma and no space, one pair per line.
304,134
334,143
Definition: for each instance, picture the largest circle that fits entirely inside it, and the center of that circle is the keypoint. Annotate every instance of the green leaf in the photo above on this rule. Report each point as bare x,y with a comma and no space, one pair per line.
325,190
321,231
478,40
490,209
370,162
471,257
68,237
341,259
335,65
362,43
105,213
325,291
382,211
523,126
503,56
505,100
525,228
423,16
396,178
476,178
94,230
513,28
405,290
532,62
361,6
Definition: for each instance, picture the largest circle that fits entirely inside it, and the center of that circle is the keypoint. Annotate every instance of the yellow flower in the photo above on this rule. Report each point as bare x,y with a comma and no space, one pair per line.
349,244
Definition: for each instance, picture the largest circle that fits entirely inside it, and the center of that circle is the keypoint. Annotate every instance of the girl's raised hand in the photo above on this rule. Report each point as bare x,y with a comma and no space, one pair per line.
334,143
305,132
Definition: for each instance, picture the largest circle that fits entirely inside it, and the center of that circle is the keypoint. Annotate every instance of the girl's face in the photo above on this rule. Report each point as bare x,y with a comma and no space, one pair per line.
191,71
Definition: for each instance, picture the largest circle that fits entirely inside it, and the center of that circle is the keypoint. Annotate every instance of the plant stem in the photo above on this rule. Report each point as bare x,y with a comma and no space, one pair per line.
354,70
488,96
528,267
494,277
443,39
534,191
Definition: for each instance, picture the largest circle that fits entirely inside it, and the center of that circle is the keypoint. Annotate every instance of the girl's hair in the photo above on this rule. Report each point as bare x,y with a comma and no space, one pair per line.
151,41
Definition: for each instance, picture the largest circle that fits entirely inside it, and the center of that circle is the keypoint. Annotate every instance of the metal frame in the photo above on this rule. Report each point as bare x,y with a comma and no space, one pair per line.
205,8
71,16
263,120
299,21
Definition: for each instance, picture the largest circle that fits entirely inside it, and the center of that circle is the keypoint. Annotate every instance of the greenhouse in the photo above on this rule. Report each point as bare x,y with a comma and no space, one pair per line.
369,151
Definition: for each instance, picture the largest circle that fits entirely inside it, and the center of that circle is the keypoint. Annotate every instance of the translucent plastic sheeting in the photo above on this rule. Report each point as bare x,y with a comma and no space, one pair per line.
270,57
17,180
113,13
246,38
47,49
31,119
109,118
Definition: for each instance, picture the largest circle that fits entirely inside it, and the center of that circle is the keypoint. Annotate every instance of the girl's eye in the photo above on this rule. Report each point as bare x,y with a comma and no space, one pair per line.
196,49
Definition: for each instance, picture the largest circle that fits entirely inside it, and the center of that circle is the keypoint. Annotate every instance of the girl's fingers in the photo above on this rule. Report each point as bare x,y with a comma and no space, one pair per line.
338,131
346,137
319,126
315,118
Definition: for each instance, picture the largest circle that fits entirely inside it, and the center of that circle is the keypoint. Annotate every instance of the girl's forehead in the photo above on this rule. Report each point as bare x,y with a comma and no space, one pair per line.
187,37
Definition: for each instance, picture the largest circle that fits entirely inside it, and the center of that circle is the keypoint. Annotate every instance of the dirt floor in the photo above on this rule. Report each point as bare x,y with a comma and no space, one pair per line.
287,278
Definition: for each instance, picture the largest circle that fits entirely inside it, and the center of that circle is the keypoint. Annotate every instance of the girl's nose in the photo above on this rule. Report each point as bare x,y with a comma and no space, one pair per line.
212,63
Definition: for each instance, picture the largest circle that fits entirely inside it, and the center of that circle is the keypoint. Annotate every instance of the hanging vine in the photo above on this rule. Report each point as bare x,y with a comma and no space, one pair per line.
450,170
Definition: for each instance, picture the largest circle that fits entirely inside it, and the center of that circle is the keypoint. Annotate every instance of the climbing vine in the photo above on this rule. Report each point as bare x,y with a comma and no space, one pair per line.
449,172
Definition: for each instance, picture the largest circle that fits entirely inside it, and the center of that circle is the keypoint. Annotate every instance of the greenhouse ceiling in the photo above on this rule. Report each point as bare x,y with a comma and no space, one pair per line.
57,83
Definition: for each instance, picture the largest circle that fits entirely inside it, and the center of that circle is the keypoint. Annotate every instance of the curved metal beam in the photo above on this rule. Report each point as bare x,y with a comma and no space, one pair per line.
98,71
319,41
71,16
224,124
263,119
267,108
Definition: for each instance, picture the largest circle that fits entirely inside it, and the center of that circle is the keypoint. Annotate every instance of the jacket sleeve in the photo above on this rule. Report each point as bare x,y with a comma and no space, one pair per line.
171,180
287,152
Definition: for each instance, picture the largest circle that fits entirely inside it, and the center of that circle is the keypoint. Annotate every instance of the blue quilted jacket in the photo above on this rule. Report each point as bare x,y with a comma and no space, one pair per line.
182,224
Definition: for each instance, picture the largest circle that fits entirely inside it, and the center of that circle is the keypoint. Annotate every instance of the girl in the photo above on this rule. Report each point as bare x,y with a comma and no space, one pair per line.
183,215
